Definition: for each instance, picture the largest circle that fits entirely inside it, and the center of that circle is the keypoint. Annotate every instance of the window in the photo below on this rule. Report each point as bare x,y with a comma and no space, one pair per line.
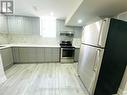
48,26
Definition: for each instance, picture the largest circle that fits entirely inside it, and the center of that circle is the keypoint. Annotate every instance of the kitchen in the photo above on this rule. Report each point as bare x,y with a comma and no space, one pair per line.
43,55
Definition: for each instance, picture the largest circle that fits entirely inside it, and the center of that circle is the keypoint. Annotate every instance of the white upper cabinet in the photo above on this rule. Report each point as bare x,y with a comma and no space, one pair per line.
27,25
36,25
11,24
15,24
3,24
19,25
31,25
23,25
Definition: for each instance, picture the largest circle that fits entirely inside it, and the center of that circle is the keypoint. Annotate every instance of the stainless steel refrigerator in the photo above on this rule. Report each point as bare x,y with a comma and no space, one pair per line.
97,56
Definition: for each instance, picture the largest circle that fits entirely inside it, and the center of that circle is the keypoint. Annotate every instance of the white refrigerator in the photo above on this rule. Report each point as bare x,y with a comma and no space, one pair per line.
92,51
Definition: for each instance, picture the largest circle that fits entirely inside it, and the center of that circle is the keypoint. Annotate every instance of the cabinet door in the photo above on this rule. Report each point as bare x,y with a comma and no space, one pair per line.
48,55
35,25
3,24
3,56
55,54
76,55
15,24
27,54
40,54
15,52
51,54
10,56
31,25
28,28
19,25
7,57
11,24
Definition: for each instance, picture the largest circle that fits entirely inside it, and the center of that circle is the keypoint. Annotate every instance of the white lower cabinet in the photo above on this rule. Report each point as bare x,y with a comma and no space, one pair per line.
40,55
37,54
7,57
55,54
15,52
52,54
48,54
27,54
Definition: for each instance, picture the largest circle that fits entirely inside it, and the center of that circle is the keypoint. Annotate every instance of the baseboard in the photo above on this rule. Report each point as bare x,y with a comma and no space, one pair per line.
7,67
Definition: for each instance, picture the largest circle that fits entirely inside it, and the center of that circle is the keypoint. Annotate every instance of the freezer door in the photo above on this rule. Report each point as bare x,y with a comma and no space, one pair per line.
95,34
89,63
104,32
91,33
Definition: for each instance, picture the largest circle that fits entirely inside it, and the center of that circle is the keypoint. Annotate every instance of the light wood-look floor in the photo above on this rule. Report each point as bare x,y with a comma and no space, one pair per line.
42,79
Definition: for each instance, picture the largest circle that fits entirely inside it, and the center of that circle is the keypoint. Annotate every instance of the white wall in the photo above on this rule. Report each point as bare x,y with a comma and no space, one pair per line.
123,86
122,16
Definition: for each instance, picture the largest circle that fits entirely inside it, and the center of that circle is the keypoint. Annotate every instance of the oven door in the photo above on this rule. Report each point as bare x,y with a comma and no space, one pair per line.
67,52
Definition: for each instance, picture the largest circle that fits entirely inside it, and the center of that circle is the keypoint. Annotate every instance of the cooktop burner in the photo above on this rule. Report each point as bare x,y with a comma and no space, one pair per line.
66,44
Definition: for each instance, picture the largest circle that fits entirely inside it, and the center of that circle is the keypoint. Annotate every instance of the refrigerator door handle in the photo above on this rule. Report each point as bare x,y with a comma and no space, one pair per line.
101,34
97,58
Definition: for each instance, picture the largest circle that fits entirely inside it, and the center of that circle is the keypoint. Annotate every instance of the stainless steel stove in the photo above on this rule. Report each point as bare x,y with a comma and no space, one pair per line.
67,51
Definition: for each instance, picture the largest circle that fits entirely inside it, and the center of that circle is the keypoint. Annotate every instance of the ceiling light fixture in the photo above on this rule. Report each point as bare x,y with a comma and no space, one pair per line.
52,14
79,21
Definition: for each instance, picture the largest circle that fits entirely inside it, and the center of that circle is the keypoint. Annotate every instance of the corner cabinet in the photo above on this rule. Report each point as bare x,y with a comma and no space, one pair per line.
15,52
36,54
7,57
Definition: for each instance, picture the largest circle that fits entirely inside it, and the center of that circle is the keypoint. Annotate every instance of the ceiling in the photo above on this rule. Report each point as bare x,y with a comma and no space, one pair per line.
71,10
60,8
91,10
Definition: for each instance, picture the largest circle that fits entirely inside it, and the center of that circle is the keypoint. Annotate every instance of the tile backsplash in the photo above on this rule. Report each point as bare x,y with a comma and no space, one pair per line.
76,42
3,38
31,39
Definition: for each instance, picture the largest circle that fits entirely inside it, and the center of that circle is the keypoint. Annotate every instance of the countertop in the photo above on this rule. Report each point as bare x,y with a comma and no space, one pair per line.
33,45
76,46
30,45
25,45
